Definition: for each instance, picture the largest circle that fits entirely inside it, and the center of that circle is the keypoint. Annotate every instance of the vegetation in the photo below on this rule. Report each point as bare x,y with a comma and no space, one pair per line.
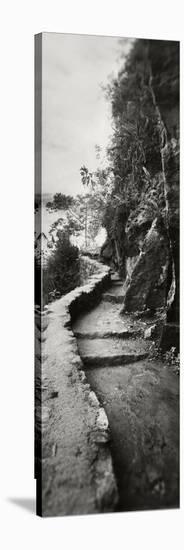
139,134
133,181
98,189
60,202
62,272
85,211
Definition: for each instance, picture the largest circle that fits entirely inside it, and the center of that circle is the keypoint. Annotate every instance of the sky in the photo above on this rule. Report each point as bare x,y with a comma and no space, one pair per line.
75,114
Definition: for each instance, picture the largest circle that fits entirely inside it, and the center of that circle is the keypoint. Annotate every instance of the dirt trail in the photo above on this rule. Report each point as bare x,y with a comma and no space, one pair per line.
141,399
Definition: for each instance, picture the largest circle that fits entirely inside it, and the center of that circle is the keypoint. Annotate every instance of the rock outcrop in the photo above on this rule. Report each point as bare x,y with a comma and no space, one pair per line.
171,166
107,252
148,283
150,241
165,69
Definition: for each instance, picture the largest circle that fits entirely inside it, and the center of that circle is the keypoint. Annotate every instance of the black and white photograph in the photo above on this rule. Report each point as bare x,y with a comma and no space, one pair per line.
106,254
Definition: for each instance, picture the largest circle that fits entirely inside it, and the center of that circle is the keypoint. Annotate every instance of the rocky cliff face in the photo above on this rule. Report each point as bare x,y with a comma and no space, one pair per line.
171,166
143,240
166,86
148,282
165,68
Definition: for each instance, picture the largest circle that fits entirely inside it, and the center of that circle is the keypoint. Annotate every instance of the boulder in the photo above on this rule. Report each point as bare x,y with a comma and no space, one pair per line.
107,251
148,284
150,332
140,220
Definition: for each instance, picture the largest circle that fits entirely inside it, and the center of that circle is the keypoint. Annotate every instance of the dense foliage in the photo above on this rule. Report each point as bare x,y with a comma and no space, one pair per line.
61,273
135,149
60,202
134,152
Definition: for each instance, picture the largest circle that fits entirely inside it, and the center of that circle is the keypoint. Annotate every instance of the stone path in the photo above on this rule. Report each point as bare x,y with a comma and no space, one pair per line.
73,462
141,399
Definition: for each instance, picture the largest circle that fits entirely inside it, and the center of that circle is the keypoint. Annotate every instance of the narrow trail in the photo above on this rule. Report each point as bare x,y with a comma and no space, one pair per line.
141,399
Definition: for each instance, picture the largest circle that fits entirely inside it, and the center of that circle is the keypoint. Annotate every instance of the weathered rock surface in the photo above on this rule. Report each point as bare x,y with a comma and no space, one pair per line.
148,284
166,88
150,332
107,251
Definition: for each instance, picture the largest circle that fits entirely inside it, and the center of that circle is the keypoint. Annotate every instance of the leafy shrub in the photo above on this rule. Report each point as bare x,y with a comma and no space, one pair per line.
60,202
61,275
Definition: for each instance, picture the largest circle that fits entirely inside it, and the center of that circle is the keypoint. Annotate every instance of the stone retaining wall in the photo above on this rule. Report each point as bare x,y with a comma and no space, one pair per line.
88,268
74,472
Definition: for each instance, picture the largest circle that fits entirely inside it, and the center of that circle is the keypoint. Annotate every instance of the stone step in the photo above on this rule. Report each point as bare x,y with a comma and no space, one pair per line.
119,290
117,283
116,277
112,352
121,334
114,298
